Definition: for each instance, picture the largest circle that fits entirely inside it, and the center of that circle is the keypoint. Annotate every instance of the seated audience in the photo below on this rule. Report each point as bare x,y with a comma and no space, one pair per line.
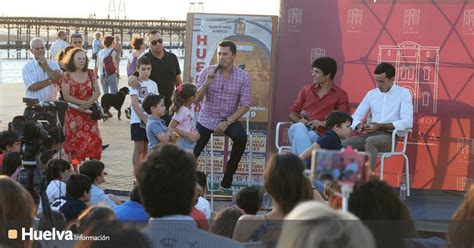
339,126
57,173
12,165
119,236
225,221
166,180
17,210
383,212
95,170
462,224
78,189
314,224
249,200
132,210
203,204
286,184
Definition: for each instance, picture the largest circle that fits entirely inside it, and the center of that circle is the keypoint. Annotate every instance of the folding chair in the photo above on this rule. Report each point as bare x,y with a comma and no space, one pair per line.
279,127
383,155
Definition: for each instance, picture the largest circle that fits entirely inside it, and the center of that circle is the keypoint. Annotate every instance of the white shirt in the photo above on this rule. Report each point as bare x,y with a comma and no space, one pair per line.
204,206
55,190
394,106
146,87
98,197
57,47
33,73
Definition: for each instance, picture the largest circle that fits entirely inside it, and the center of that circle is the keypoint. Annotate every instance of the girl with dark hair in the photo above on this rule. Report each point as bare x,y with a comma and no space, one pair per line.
80,87
183,119
285,182
57,173
11,164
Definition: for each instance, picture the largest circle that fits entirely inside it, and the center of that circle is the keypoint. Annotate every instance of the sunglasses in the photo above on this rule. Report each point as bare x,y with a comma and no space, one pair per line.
154,42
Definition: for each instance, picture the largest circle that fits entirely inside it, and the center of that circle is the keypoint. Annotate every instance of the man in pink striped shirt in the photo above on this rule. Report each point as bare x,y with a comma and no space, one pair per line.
224,90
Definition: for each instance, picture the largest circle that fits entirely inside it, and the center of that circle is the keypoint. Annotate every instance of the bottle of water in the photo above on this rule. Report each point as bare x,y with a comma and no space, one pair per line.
403,189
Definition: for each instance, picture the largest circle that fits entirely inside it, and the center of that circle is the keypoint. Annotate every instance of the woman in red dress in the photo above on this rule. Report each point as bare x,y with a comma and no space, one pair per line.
80,87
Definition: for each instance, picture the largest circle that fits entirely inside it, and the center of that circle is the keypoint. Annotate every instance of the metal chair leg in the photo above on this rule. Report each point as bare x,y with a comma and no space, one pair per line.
407,173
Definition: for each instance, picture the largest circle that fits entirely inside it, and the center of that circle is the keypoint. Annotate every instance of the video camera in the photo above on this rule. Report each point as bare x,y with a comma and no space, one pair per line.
35,131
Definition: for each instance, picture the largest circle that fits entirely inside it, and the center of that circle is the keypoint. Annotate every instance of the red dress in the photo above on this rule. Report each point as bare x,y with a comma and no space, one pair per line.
81,131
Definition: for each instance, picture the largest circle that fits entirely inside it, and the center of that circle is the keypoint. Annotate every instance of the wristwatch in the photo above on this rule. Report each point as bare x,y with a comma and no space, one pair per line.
227,121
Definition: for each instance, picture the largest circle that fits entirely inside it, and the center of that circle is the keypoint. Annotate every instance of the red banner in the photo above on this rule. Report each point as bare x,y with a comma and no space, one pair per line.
432,47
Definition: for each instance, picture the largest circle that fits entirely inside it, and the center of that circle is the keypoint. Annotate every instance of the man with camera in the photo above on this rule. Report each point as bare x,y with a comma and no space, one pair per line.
41,75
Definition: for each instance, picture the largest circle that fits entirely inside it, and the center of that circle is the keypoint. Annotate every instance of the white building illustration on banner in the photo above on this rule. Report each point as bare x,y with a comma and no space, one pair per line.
317,53
354,20
295,17
468,22
411,21
417,69
464,148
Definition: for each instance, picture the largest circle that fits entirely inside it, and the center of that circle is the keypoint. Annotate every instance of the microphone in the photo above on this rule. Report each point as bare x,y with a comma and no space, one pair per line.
218,67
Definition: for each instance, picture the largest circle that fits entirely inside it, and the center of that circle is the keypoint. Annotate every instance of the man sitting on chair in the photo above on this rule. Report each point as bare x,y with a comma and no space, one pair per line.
390,106
313,103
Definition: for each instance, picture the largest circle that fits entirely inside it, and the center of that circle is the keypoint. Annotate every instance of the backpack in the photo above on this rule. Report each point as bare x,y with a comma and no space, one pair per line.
108,64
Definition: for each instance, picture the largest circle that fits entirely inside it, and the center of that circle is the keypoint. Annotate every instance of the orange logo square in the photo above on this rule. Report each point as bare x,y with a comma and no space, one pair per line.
12,234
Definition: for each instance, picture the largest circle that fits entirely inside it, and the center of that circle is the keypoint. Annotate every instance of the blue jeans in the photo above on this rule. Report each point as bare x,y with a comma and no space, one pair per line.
109,82
301,138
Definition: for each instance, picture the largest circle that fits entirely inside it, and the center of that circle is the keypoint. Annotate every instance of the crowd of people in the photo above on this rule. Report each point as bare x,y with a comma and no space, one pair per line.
167,206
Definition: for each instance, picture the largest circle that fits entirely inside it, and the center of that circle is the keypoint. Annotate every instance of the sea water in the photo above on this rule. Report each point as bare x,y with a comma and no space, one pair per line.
10,68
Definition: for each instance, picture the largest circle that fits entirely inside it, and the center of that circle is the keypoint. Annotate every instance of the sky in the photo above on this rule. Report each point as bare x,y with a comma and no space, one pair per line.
144,9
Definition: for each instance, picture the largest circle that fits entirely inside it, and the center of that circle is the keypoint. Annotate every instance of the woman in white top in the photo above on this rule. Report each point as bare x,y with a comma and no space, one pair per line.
57,173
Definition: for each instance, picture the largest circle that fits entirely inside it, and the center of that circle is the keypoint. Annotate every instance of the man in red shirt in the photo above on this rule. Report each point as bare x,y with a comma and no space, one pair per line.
313,103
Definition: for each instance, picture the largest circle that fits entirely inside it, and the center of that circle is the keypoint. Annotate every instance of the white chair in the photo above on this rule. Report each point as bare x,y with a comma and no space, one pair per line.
279,127
383,155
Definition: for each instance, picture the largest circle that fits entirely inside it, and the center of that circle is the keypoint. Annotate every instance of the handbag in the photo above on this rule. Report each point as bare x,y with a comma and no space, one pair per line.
96,108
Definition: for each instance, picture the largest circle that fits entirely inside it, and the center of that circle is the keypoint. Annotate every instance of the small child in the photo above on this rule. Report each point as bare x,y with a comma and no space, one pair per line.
183,119
138,132
338,123
156,130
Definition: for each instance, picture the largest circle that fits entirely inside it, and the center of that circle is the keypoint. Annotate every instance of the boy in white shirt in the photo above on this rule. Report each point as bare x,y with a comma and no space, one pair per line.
138,117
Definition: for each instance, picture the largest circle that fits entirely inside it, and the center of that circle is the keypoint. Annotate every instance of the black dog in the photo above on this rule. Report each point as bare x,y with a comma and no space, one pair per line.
114,100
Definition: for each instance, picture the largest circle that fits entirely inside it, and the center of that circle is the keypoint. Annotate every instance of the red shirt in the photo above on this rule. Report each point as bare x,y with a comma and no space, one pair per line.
318,108
200,219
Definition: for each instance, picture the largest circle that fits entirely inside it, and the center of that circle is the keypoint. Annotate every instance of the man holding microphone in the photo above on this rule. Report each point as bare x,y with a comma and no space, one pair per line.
224,90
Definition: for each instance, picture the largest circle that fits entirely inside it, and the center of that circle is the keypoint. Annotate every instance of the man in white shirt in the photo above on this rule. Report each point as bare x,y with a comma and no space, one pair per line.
58,45
390,106
40,75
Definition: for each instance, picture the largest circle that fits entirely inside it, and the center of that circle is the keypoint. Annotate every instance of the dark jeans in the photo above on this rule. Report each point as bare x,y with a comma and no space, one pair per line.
238,135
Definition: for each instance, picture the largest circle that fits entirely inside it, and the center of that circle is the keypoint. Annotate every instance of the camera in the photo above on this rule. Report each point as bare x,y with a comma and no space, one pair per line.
34,129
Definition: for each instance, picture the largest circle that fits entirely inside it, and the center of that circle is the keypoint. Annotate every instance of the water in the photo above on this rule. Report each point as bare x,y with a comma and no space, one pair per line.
10,69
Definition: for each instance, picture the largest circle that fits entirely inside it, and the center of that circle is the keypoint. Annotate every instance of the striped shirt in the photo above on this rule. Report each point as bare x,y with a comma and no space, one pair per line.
33,73
224,96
